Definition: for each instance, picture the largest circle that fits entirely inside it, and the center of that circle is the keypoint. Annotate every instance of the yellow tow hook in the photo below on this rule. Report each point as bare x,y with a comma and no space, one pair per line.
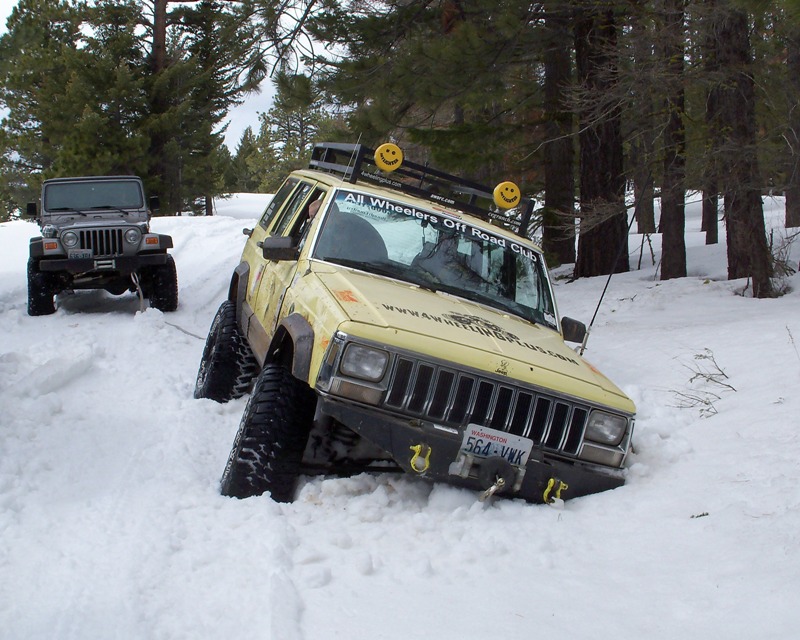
554,497
421,459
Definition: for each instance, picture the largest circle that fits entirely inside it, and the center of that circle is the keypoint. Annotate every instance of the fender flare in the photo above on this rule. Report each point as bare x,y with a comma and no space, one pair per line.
36,247
299,331
164,241
238,287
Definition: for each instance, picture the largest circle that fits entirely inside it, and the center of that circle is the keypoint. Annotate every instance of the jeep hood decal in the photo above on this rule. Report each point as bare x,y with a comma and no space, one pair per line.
475,335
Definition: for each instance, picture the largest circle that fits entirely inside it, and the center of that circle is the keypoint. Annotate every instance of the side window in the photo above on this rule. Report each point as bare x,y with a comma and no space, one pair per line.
289,211
303,221
278,199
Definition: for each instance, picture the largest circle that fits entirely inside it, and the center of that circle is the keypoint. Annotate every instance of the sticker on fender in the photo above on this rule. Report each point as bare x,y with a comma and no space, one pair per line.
482,442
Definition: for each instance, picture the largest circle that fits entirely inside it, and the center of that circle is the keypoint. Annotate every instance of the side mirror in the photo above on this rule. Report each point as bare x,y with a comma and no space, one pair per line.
247,232
155,204
574,331
30,210
279,248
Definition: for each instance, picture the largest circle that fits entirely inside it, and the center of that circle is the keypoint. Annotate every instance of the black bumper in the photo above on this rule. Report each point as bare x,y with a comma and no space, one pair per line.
122,265
433,453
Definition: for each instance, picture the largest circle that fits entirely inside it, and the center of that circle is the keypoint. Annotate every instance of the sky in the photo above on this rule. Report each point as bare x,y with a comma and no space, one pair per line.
239,118
112,524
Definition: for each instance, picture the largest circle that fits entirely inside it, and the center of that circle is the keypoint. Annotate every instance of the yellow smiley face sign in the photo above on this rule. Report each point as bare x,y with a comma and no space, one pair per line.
388,157
506,195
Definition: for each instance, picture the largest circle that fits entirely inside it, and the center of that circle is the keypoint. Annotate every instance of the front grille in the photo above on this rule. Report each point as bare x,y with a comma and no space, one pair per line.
454,398
102,242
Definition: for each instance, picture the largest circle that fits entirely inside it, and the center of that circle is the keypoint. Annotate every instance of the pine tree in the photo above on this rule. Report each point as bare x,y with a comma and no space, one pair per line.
288,130
242,178
748,253
673,192
602,244
39,58
107,98
87,93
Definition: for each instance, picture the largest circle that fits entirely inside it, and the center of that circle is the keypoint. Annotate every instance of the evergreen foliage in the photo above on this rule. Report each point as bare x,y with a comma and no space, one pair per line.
87,93
286,135
490,89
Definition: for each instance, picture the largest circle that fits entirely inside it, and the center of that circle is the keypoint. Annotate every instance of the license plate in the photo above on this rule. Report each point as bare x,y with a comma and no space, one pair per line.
489,443
80,254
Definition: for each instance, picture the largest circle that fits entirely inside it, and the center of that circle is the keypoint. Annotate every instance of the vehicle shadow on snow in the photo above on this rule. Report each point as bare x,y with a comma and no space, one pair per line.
99,301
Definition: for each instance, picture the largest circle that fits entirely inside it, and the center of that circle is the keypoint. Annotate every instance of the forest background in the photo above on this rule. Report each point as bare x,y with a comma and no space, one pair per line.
591,107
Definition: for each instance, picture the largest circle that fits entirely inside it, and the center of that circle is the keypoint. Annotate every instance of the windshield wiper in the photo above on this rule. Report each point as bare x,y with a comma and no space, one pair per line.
482,298
67,210
377,269
109,206
363,265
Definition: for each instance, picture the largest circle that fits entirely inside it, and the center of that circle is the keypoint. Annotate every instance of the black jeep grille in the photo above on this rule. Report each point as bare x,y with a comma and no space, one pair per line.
102,242
454,398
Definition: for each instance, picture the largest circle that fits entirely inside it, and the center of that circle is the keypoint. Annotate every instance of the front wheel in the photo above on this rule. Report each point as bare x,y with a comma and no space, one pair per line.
40,292
228,365
164,287
268,449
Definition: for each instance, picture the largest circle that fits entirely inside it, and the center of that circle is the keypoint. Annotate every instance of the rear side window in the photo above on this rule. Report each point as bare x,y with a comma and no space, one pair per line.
289,211
277,201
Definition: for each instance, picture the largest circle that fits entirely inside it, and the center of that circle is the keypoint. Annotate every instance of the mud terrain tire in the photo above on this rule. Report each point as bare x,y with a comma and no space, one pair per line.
272,436
40,292
228,365
164,287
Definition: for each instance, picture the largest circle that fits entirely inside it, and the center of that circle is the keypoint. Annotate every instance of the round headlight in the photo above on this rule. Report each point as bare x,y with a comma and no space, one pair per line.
133,236
606,428
363,362
69,239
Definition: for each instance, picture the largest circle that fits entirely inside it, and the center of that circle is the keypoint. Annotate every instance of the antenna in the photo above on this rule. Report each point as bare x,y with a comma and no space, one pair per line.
355,152
622,247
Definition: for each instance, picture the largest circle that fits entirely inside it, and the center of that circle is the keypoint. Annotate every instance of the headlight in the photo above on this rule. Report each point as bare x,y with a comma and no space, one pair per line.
69,239
363,362
133,236
49,231
606,428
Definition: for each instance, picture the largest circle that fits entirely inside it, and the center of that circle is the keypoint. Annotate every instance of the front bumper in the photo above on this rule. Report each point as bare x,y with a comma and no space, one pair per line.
433,453
122,265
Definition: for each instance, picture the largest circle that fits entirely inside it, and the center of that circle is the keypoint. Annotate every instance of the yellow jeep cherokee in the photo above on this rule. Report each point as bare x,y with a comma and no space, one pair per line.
408,325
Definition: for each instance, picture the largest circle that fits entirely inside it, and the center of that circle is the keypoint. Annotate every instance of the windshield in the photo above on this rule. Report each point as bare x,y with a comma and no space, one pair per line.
105,194
435,251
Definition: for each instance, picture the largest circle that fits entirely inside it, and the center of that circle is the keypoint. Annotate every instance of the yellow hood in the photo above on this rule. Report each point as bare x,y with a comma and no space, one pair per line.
408,317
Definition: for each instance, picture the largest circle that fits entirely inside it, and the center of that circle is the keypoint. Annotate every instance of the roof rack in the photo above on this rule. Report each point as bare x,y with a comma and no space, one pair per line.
357,162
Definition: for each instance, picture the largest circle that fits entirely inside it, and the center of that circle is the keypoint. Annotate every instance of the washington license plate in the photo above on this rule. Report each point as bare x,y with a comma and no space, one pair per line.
80,254
482,442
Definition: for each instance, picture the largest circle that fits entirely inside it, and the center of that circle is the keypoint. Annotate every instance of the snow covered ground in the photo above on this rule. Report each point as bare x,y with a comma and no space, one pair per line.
112,526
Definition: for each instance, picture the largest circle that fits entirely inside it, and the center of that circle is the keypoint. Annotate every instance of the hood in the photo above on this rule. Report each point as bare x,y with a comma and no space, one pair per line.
101,218
471,334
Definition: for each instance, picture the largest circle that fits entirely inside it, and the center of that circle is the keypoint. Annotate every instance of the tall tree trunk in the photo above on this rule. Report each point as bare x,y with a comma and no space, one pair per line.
711,164
159,104
159,60
644,195
793,134
558,233
748,253
641,153
602,245
710,222
673,219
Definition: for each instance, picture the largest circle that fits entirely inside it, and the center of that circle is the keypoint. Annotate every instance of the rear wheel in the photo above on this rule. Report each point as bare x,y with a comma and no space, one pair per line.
272,436
40,292
164,287
228,365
